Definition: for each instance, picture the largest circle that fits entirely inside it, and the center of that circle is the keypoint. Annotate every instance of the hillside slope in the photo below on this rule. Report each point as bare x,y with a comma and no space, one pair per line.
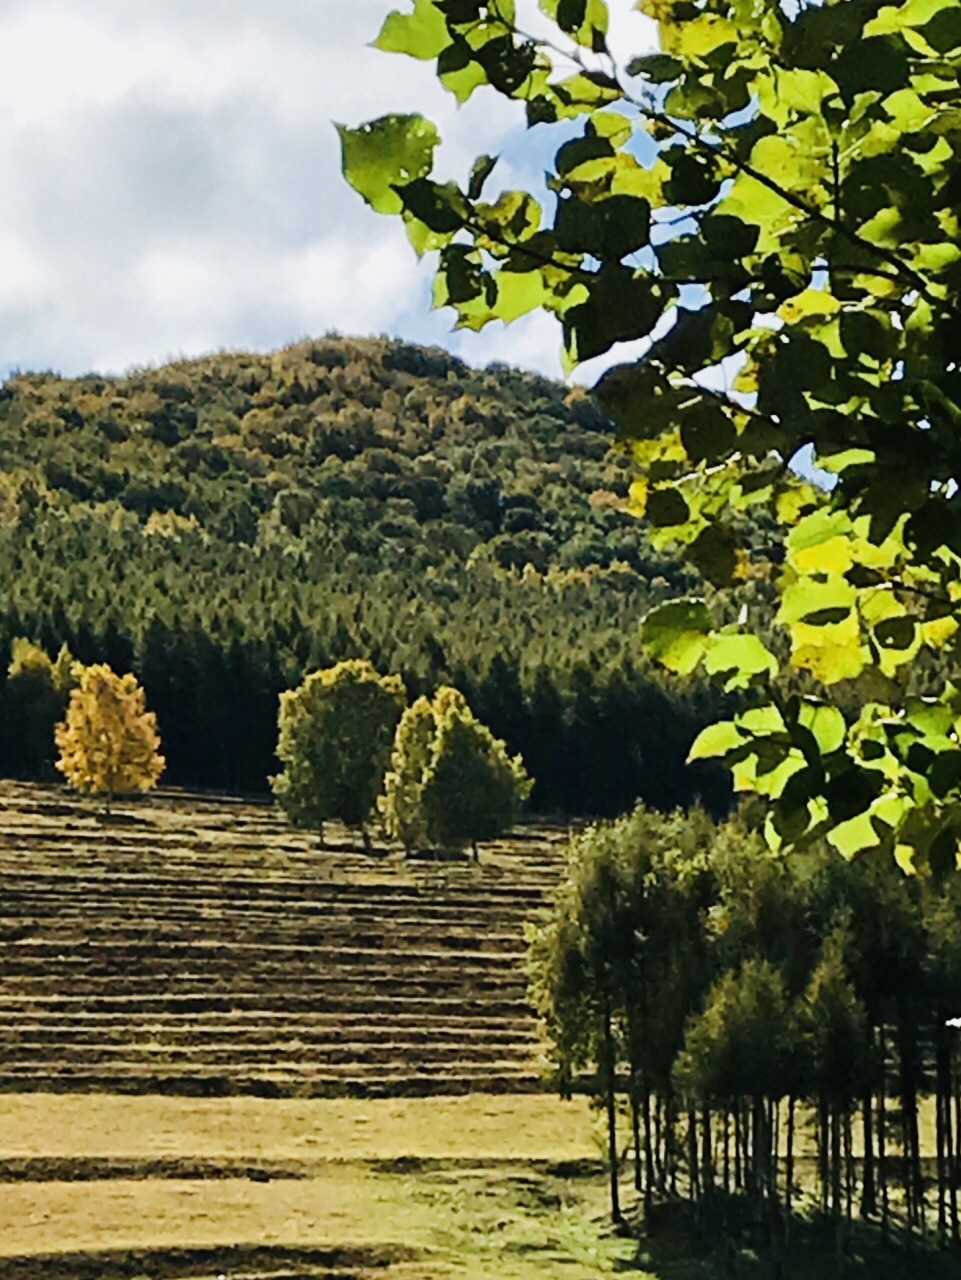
223,525
199,946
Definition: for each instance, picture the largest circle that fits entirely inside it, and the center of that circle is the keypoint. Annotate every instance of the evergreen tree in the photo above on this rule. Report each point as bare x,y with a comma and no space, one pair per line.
108,740
335,734
39,689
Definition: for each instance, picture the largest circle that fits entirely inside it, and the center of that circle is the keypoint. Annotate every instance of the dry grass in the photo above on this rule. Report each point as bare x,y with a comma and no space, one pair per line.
536,1127
463,1183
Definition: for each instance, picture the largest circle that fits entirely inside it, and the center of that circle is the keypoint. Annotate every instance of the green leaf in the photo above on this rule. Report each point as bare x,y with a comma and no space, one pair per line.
605,229
442,208
832,598
714,553
666,507
459,72
386,153
622,305
826,723
740,658
519,293
421,34
585,20
716,740
659,67
854,836
707,432
879,63
677,634
482,169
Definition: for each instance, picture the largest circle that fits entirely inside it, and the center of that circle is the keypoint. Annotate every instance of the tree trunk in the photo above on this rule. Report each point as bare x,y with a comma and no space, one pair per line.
834,1120
956,1165
693,1171
942,1103
648,1151
882,1129
823,1157
869,1200
789,1180
707,1154
610,1084
636,1132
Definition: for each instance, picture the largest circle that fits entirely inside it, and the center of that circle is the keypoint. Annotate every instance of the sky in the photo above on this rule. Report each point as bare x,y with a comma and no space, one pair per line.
172,181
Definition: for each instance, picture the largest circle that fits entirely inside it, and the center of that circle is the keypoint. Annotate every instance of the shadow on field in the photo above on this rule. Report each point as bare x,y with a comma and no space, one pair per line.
677,1250
249,1261
438,855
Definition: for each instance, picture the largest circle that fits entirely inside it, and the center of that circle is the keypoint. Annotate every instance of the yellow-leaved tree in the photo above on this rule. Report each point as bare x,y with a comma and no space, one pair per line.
108,740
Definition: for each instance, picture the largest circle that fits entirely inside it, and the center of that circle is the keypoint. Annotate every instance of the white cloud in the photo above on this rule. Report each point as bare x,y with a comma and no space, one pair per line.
172,180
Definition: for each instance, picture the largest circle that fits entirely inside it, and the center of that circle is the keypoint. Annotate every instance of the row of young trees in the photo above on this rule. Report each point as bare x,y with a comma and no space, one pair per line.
436,776
348,742
738,1002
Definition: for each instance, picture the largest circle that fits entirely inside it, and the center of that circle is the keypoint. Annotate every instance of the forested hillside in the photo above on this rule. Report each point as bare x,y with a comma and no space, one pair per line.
222,525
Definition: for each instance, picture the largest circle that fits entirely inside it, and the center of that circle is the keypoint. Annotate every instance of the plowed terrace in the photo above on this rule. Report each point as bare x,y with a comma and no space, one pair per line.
199,945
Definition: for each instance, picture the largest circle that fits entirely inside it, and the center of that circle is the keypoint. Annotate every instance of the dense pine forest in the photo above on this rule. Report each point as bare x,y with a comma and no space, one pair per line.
221,526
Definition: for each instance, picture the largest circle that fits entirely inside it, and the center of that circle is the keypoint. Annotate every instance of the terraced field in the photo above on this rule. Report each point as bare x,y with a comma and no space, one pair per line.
195,945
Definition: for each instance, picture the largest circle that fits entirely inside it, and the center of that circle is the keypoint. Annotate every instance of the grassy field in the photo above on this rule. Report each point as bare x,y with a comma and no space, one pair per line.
465,1187
95,1187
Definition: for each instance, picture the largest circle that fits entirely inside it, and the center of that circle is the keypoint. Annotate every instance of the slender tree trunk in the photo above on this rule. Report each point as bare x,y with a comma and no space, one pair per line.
636,1137
693,1172
610,1085
882,1130
727,1152
914,1177
869,1200
670,1140
954,1153
823,1156
848,1167
789,1181
774,1128
707,1154
942,1108
648,1151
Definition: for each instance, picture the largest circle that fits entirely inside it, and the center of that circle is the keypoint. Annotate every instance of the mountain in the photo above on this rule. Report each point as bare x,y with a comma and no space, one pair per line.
222,525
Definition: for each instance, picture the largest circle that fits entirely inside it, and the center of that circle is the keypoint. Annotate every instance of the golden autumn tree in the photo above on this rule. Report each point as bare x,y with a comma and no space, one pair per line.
108,740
